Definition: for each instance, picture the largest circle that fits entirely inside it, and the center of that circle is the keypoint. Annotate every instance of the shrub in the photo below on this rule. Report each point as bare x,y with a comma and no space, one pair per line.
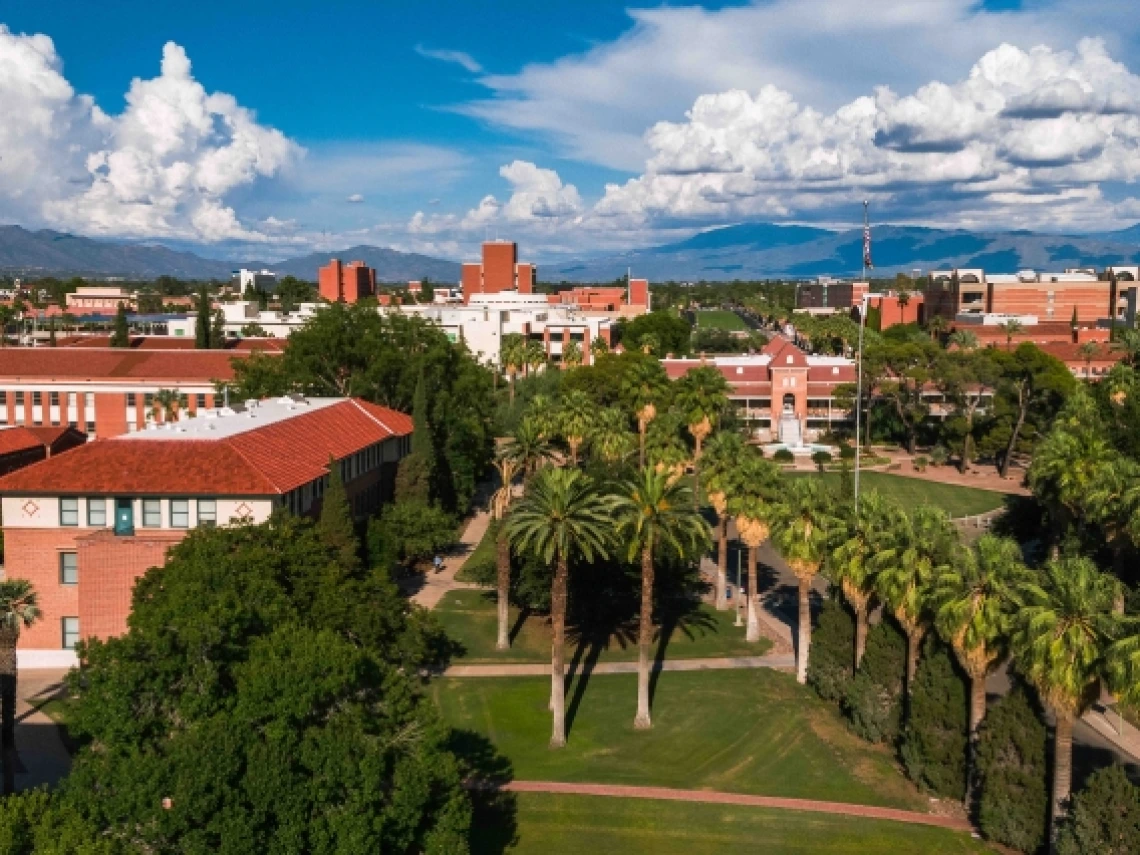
920,463
939,455
1013,802
846,452
873,701
937,729
832,640
1104,817
409,531
782,455
821,459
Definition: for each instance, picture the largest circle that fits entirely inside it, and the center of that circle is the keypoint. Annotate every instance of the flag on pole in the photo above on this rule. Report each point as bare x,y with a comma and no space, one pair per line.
866,239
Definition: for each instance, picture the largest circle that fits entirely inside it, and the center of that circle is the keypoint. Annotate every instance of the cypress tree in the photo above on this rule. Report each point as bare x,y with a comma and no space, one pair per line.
202,323
413,476
218,331
934,741
830,667
335,526
1104,817
873,701
121,336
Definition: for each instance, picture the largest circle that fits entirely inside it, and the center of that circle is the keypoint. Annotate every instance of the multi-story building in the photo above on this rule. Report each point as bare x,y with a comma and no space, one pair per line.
500,270
828,293
346,283
22,446
631,300
105,392
259,280
781,393
240,314
100,300
84,525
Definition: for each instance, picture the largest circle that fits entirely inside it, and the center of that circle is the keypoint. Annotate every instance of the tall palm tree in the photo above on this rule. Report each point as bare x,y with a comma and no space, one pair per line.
562,516
534,354
801,536
723,454
645,388
575,420
1011,328
751,495
702,396
572,354
506,466
852,565
918,549
1088,352
610,439
166,402
974,603
19,609
654,512
936,326
544,414
512,355
528,447
598,347
1063,631
964,340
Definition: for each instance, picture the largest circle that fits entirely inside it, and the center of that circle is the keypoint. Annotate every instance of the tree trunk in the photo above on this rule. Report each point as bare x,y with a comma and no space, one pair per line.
722,566
697,474
644,638
860,633
1062,772
804,630
511,376
641,426
913,643
977,704
752,632
558,653
504,579
8,672
1004,468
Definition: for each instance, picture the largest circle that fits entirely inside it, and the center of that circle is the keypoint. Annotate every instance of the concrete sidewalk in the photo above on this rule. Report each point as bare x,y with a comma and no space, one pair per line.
428,588
778,661
40,752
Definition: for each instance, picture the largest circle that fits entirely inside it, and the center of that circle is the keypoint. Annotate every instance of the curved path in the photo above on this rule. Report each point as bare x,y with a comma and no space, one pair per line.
741,799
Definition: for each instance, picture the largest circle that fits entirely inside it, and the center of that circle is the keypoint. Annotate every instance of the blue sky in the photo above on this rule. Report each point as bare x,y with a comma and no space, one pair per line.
574,127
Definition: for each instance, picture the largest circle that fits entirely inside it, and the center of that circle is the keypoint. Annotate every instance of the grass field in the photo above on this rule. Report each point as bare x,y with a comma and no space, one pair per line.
585,825
909,492
470,618
719,319
749,731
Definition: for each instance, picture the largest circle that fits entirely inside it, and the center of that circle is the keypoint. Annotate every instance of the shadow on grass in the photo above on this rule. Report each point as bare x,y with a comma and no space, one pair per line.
524,614
494,826
685,617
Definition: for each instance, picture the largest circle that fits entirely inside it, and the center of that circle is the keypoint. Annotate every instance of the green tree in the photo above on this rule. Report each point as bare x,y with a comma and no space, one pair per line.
202,321
1011,328
512,356
670,330
654,513
1065,624
427,291
572,354
599,347
1010,767
800,534
857,540
535,355
645,390
751,501
1104,817
218,330
528,447
1031,389
702,397
506,466
967,378
830,671
165,404
576,417
335,526
610,439
873,700
19,609
562,516
725,450
414,472
412,531
121,334
935,737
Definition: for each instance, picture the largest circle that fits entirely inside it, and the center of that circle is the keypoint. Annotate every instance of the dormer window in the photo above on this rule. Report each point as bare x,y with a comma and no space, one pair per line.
740,370
835,370
790,360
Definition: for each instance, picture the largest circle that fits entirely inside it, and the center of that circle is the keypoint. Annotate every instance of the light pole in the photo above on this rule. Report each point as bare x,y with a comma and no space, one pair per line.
739,590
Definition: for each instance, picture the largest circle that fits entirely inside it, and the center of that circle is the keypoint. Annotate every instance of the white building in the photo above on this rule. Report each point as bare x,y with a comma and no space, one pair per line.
241,313
261,280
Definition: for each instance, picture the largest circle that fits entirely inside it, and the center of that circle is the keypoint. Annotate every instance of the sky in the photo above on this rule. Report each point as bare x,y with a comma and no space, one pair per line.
268,130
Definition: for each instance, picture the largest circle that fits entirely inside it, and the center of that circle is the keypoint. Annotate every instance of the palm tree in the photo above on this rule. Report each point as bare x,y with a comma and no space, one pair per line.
535,354
599,347
645,388
750,501
572,354
562,516
528,447
653,511
919,548
724,452
852,565
701,396
544,414
610,438
936,326
576,420
1011,328
506,466
513,357
964,340
801,536
166,403
1129,342
1088,352
1063,631
974,605
19,609
649,344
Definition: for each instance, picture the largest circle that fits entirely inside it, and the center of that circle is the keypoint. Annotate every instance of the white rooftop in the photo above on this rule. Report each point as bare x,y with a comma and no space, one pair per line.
238,418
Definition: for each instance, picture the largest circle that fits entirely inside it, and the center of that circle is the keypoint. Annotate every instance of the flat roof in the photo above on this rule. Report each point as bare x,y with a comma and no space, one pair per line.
224,422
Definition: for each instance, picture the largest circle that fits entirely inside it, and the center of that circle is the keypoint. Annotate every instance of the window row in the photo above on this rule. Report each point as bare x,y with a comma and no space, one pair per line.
178,512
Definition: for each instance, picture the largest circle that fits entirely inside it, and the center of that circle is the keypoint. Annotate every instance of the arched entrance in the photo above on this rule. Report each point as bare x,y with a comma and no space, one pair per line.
789,404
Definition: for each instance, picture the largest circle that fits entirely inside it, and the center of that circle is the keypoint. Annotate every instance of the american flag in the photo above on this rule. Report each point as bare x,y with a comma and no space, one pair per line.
866,240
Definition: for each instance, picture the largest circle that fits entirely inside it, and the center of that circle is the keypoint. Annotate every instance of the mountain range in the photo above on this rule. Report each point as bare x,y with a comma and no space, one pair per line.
754,250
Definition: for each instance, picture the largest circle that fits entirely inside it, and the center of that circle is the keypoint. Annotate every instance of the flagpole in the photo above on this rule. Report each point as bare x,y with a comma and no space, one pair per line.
866,237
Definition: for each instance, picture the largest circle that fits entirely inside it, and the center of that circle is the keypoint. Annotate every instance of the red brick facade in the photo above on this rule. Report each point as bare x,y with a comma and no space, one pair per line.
346,283
39,551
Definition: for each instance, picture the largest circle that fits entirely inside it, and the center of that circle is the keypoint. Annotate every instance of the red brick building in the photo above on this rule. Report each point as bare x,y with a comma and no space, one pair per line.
82,526
500,270
346,283
22,446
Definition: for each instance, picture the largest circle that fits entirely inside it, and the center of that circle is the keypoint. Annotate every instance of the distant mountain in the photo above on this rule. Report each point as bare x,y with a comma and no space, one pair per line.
45,252
768,250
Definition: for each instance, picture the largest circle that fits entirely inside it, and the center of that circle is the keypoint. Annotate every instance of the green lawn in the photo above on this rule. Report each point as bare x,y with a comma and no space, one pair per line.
909,492
469,617
585,825
750,731
719,319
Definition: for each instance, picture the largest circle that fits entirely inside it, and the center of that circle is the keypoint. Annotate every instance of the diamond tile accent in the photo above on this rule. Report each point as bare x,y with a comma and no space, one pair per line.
30,508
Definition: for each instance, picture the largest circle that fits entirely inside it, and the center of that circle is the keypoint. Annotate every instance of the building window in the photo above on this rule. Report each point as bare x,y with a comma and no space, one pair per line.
201,401
53,399
70,626
91,429
180,513
69,568
152,513
130,399
37,399
19,399
207,512
69,511
96,512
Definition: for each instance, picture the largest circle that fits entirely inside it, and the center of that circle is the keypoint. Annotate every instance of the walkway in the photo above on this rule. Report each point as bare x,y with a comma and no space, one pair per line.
41,757
428,588
779,661
718,798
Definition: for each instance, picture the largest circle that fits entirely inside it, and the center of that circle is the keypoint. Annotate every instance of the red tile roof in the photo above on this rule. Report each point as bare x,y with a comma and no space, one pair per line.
264,461
22,364
18,439
1070,353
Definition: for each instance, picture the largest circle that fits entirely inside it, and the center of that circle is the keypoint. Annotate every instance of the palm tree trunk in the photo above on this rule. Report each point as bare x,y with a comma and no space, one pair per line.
641,426
913,644
1062,772
804,630
644,639
1004,468
977,713
503,558
8,672
860,632
722,565
558,653
697,474
752,632
511,376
